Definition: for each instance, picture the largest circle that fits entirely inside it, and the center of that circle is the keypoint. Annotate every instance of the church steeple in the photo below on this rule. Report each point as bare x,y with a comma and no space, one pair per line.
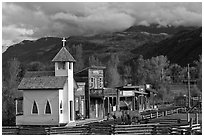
63,55
63,61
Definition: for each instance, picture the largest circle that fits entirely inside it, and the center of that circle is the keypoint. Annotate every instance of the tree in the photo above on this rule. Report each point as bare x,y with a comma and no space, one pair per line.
175,73
36,66
94,61
10,91
153,71
112,76
79,65
199,72
127,75
139,75
156,69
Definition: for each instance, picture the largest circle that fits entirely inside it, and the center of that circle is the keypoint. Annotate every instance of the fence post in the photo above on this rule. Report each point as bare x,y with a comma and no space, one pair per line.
196,118
18,131
190,126
154,132
182,133
89,130
157,114
49,131
113,129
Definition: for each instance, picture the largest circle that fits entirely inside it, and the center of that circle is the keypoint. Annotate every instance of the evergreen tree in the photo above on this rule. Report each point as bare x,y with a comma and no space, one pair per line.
127,75
139,74
112,76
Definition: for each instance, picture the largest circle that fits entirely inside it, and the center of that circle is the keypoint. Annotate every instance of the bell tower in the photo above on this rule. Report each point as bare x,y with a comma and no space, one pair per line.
63,62
64,65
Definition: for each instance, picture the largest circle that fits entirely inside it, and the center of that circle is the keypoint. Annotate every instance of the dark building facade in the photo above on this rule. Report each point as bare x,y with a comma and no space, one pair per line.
135,97
79,97
93,77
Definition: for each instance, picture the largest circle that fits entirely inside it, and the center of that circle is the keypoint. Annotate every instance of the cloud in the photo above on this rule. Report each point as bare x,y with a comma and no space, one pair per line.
13,34
34,20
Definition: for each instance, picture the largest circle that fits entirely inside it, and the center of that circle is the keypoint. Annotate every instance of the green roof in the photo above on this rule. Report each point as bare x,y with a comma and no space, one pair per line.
63,56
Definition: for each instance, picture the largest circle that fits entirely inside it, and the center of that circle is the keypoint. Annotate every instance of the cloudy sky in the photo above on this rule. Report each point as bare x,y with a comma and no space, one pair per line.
35,20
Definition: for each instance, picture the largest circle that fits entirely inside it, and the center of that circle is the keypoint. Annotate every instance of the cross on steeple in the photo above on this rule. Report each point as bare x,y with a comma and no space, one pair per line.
63,41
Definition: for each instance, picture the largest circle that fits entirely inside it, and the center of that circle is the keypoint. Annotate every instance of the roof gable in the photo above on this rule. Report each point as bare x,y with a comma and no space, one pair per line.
63,55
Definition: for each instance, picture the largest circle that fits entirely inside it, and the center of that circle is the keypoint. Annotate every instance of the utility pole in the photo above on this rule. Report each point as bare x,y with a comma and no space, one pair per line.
189,88
189,95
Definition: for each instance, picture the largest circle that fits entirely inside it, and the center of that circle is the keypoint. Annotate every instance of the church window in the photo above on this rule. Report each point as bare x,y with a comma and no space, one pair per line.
35,108
70,65
61,65
48,109
61,107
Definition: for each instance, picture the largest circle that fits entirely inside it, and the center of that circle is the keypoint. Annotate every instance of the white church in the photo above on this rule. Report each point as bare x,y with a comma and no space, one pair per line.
48,97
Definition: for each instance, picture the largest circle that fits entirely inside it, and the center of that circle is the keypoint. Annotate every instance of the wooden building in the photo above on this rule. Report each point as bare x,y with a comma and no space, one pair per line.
110,100
80,100
94,90
135,97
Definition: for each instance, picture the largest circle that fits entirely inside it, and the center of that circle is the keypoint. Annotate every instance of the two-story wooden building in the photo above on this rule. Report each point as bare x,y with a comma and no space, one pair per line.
94,90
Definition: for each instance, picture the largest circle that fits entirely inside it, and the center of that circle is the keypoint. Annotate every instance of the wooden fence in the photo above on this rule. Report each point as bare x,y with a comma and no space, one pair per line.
77,130
10,130
23,131
155,126
140,129
99,129
160,113
186,130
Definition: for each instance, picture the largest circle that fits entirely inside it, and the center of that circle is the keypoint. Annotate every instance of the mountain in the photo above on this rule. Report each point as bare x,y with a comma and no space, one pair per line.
157,29
180,47
102,45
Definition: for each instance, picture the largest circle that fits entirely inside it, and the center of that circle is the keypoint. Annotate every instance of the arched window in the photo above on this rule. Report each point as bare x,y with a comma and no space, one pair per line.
35,108
61,107
48,109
